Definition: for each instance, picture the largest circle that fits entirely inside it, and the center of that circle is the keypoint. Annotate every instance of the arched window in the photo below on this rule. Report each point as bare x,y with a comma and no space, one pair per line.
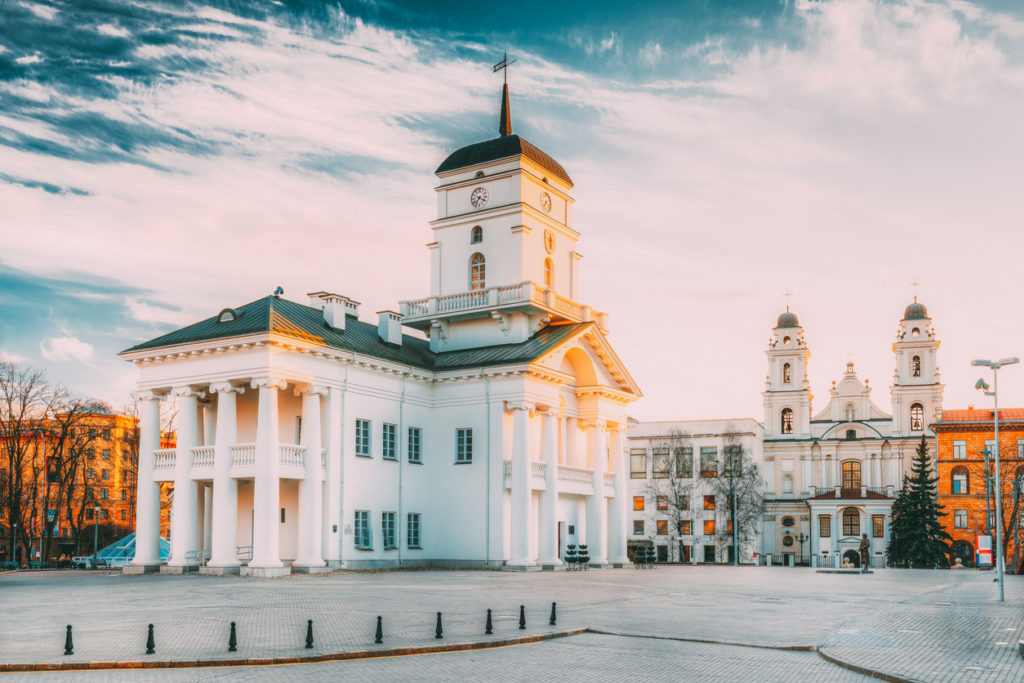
851,522
476,235
477,272
961,482
788,521
787,373
915,366
549,273
851,474
850,412
916,418
787,421
787,485
479,174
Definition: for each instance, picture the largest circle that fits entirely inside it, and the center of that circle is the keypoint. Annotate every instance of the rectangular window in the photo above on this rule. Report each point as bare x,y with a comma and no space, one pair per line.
90,473
709,461
684,502
824,526
298,429
733,461
106,454
960,519
106,474
959,450
88,513
106,433
684,462
638,527
878,526
124,494
1020,449
104,494
684,527
363,538
90,453
709,527
124,515
387,530
662,527
387,445
463,445
990,446
709,502
412,523
415,444
282,515
638,502
363,438
637,463
663,502
660,463
104,514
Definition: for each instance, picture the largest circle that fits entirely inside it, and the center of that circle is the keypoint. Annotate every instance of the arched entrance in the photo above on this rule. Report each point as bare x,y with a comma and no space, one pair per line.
853,556
965,551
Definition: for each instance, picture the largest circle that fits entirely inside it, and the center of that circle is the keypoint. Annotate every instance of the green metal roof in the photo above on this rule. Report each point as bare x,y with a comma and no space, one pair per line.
502,148
305,323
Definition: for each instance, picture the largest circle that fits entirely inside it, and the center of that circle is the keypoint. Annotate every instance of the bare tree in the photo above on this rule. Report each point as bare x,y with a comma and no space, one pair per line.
741,485
672,484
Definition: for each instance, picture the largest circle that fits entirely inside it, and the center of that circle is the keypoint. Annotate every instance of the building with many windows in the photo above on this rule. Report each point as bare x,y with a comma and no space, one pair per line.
832,475
673,471
491,434
966,444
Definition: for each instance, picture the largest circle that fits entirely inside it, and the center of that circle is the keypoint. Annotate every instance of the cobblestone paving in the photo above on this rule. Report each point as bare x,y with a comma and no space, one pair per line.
892,621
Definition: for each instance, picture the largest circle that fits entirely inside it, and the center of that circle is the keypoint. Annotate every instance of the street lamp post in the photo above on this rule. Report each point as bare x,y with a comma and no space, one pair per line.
995,365
95,533
802,538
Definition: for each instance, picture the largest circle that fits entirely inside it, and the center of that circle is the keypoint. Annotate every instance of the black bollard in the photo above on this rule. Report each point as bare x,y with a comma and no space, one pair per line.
150,642
232,639
380,632
522,617
552,622
438,632
69,648
488,630
309,634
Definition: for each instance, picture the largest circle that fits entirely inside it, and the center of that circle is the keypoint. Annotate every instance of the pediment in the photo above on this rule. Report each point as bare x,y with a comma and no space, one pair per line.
588,360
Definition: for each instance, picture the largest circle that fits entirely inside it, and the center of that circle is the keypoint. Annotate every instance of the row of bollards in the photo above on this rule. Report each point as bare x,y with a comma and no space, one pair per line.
69,648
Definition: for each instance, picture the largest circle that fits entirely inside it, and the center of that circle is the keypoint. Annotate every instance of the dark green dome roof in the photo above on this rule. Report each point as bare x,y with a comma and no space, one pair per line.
915,311
787,319
502,148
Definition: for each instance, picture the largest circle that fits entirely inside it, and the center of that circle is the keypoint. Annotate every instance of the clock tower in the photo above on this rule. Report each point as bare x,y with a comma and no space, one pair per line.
503,260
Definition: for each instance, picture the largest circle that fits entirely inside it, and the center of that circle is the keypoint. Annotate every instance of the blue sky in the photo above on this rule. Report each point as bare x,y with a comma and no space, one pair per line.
162,160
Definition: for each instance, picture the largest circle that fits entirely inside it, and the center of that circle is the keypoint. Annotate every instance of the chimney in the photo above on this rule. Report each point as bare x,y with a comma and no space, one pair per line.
389,327
334,306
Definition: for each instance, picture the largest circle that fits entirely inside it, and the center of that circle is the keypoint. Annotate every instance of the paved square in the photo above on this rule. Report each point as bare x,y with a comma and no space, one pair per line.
919,625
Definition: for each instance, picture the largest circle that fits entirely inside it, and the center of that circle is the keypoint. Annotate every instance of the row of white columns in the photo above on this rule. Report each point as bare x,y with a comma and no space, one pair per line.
223,518
605,538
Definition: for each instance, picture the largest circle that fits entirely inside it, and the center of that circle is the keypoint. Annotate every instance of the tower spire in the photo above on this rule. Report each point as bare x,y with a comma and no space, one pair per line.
505,124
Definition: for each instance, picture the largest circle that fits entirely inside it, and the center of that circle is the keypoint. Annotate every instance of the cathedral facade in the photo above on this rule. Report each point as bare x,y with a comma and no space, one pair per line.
310,438
832,476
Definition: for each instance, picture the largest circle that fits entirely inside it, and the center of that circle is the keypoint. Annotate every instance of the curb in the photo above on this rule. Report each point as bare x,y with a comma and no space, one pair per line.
863,670
272,661
785,648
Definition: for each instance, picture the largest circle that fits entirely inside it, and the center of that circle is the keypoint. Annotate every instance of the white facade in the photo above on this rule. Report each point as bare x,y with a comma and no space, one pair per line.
832,476
308,438
688,541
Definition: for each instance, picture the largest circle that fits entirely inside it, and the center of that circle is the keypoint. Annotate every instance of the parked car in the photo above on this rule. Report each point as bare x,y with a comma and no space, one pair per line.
82,562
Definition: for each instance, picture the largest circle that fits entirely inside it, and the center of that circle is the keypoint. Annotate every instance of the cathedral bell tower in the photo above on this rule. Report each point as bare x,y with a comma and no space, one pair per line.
916,389
787,394
503,261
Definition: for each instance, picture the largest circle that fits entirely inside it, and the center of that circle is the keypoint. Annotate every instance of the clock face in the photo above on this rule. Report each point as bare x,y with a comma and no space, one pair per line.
479,197
545,201
549,241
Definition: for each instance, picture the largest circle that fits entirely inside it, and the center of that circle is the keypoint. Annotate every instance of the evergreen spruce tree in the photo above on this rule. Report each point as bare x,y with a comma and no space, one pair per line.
917,538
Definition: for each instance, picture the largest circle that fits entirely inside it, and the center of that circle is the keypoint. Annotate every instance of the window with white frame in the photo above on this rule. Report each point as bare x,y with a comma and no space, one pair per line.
637,463
787,421
388,451
387,530
787,484
684,462
1020,449
463,445
363,539
660,465
916,417
412,527
960,519
363,438
477,272
415,444
959,450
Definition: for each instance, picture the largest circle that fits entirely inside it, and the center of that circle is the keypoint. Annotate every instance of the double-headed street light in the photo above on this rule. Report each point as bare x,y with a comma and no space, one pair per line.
995,365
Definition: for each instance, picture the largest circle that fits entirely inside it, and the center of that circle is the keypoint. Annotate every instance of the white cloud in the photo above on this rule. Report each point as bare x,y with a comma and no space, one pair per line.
41,11
7,357
113,30
650,54
57,349
29,59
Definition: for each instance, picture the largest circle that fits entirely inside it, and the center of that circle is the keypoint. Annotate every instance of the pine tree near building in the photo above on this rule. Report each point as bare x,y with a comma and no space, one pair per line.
917,539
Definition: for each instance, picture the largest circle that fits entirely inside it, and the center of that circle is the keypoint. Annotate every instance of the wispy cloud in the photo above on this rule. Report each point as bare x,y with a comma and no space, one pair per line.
58,349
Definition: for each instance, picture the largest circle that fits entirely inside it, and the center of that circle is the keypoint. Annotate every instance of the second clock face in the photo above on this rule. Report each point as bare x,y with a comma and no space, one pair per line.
545,201
479,197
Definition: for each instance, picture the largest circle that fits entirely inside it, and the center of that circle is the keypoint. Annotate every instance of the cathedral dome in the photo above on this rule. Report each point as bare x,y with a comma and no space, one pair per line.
502,148
915,311
787,319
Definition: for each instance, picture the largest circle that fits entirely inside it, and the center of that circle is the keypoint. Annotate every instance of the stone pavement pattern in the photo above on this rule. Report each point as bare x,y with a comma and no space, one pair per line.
859,619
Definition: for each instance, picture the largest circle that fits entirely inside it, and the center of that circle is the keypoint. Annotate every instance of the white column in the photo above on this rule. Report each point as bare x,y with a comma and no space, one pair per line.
267,482
519,555
548,541
147,493
224,529
335,443
617,530
207,529
309,553
597,506
837,480
184,518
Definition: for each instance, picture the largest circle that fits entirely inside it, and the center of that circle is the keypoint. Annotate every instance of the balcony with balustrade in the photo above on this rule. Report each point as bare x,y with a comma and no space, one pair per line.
527,296
243,462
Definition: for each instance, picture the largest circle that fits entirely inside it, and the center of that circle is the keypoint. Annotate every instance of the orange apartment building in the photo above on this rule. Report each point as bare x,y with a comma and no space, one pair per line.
962,436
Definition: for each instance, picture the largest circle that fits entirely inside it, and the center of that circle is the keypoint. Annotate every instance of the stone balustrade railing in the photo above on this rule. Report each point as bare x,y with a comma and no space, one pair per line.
243,455
537,468
577,475
164,458
292,455
202,457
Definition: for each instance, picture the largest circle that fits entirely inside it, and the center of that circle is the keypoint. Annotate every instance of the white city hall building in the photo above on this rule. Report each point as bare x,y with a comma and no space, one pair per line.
308,438
833,476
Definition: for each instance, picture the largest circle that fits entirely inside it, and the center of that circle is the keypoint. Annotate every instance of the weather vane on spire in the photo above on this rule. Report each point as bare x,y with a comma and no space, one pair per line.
915,283
505,124
787,294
